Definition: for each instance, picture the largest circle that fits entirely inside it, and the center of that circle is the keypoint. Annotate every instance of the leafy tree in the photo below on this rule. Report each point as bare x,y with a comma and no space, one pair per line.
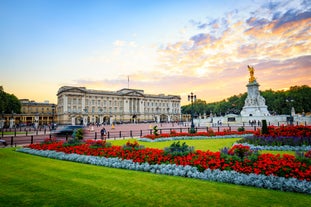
9,103
275,100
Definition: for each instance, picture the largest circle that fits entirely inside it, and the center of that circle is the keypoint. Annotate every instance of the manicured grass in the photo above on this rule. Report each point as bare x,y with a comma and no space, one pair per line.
28,180
208,144
12,133
213,145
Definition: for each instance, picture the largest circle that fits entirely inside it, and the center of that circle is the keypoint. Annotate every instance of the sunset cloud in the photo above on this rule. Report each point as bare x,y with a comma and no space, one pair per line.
274,38
173,48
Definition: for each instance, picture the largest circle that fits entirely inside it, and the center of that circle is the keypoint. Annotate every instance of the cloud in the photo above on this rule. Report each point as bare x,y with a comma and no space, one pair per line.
121,43
273,37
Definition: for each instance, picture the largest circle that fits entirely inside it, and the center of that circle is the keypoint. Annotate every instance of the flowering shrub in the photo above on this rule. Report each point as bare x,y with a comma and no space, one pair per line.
98,143
240,150
132,146
267,164
308,154
287,131
49,140
177,149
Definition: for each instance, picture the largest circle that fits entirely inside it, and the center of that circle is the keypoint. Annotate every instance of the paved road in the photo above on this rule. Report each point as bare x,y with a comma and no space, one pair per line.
122,131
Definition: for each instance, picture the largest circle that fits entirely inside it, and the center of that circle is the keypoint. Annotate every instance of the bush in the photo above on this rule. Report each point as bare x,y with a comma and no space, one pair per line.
133,146
73,142
94,144
79,134
264,129
155,131
178,150
49,141
192,131
241,129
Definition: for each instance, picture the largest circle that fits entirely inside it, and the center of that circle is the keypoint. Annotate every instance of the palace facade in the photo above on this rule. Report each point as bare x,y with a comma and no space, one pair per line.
32,114
79,105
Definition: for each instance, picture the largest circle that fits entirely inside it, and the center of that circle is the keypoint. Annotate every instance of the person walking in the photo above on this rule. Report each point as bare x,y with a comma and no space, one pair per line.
103,133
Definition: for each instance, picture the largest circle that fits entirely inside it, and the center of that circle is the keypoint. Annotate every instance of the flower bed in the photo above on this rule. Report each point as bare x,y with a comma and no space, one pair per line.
210,133
256,180
239,158
281,136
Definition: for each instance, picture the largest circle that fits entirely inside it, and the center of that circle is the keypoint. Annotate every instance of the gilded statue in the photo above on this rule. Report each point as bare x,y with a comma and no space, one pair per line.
251,74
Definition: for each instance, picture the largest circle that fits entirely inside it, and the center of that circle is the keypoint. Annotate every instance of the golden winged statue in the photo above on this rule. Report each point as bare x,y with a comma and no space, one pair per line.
251,73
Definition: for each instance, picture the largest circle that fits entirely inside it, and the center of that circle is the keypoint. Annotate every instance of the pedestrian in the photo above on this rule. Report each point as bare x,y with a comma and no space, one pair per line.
103,132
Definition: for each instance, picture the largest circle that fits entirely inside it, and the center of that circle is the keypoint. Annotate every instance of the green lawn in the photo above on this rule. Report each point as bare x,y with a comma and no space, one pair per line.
208,144
213,145
13,133
28,180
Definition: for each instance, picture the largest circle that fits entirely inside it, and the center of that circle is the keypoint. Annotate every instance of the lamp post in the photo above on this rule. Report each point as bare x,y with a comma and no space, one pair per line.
53,110
2,120
85,116
291,118
192,98
12,119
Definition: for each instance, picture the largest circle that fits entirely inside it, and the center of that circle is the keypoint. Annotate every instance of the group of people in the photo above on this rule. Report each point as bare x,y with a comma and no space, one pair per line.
254,122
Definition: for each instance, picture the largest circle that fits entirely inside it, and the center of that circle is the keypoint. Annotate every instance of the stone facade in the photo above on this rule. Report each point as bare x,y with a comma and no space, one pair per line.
32,114
79,105
254,103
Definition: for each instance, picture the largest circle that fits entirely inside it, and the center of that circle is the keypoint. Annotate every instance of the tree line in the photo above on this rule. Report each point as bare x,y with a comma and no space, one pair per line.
278,102
9,103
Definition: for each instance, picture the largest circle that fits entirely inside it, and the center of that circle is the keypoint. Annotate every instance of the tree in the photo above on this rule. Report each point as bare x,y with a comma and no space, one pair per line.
298,97
9,103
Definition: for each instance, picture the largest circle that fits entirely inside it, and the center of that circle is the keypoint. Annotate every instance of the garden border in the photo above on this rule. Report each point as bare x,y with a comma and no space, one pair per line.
253,147
233,177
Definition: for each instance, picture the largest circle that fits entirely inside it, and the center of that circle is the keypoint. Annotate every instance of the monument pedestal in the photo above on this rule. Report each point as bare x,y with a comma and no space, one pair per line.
254,103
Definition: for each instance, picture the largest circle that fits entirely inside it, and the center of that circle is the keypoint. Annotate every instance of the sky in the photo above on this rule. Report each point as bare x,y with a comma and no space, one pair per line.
171,47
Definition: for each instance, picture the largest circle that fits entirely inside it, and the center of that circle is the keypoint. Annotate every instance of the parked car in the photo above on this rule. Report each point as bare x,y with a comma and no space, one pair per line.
67,130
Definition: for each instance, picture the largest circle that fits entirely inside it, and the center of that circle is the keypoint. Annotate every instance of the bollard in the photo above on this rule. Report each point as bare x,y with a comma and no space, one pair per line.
31,140
12,141
120,135
15,132
141,133
66,137
95,135
131,135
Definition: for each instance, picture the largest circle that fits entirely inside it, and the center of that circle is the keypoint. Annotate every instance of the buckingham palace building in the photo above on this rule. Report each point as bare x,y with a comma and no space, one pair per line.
79,105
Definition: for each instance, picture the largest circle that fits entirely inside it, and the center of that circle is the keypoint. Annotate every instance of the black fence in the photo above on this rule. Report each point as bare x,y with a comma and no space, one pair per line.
24,136
16,137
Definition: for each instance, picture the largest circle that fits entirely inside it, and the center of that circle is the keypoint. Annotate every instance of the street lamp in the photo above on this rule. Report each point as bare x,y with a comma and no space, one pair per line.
2,120
291,118
53,110
12,119
192,98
